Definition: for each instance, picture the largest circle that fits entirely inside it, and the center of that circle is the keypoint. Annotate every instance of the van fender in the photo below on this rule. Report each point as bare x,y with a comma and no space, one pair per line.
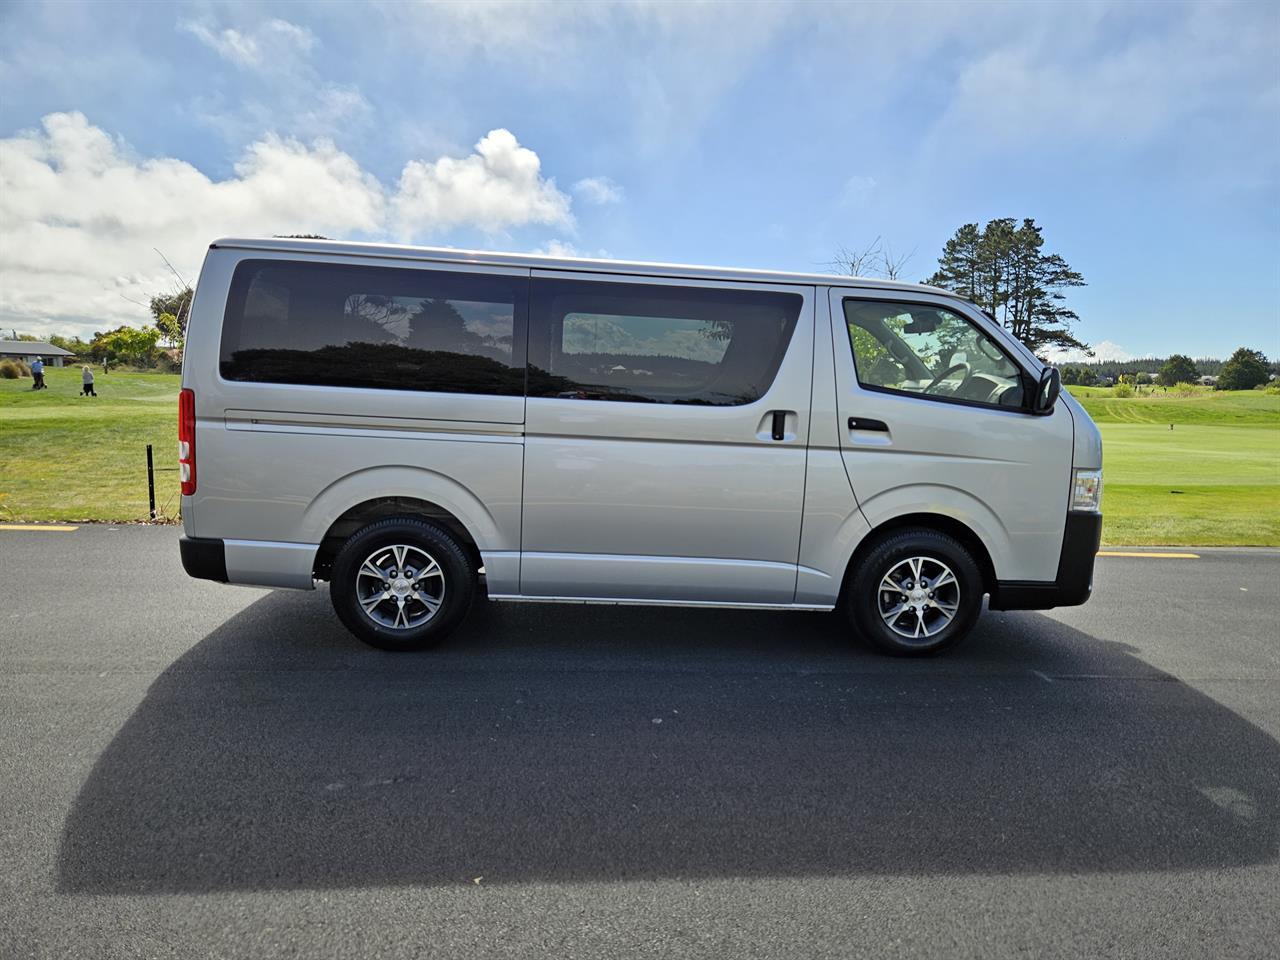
946,501
419,483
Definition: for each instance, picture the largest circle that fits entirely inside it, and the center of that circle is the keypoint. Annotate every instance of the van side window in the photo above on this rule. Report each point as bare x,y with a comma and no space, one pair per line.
926,351
650,343
395,329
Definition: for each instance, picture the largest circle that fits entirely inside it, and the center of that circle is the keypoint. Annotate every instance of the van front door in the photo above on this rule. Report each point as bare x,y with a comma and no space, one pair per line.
932,421
666,425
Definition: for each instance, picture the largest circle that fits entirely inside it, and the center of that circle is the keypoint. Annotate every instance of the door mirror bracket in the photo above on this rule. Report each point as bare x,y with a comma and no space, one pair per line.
1047,391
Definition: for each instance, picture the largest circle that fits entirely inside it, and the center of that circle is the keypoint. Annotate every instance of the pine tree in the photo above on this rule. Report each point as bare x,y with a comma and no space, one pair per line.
1003,268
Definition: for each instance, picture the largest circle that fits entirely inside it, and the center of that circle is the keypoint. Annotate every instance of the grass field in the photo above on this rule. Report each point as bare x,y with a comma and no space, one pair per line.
66,457
1200,468
1212,479
1202,406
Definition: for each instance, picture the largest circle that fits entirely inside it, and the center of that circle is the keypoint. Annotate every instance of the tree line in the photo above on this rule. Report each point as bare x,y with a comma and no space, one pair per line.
1243,370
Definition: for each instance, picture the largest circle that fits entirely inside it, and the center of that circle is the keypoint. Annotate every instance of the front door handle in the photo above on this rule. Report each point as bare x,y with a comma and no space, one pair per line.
863,423
779,425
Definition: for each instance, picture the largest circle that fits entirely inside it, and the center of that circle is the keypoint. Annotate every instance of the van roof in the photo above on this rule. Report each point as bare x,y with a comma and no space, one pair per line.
579,264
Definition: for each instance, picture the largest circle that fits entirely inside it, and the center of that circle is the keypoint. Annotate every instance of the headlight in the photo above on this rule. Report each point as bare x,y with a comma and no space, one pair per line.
1086,491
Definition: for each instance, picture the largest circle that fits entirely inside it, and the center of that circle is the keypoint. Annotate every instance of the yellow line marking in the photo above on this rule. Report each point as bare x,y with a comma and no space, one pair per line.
50,527
1158,556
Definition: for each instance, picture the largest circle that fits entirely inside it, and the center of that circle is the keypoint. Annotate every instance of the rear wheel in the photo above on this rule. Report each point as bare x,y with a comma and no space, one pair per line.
915,593
402,584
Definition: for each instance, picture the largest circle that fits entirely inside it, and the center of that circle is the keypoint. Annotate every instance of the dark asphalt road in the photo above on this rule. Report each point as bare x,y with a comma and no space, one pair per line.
197,770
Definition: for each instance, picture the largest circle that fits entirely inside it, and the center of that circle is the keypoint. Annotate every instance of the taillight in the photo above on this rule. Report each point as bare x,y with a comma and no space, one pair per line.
187,441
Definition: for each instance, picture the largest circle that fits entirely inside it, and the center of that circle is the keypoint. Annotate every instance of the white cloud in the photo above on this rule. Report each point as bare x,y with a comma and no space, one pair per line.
689,55
857,189
558,248
1103,350
283,89
1086,73
266,45
598,190
500,185
79,214
303,110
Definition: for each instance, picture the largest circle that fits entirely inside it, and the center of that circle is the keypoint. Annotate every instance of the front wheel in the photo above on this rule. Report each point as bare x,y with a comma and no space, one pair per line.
916,592
402,584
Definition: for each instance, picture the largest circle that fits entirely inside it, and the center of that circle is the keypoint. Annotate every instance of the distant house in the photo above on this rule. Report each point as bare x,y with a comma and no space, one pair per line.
28,350
1208,381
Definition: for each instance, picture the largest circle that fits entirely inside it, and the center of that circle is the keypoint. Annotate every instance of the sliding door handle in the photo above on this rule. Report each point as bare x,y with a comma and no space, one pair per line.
779,425
863,423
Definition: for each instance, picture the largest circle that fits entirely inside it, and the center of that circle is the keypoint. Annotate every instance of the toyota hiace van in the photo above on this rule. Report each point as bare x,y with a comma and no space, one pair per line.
419,426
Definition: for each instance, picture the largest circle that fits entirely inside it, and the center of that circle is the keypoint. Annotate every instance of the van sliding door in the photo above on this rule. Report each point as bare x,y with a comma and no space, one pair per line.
666,424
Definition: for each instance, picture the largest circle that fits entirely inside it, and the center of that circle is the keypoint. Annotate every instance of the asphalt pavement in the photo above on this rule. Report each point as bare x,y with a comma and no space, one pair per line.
190,769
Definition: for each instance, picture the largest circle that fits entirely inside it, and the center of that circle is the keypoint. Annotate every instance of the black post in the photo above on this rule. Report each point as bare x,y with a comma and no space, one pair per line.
151,482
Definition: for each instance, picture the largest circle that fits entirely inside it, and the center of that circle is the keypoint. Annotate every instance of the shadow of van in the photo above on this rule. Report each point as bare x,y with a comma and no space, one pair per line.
587,743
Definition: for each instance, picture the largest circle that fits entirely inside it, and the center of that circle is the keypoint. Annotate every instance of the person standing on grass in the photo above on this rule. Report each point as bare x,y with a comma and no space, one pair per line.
37,374
86,377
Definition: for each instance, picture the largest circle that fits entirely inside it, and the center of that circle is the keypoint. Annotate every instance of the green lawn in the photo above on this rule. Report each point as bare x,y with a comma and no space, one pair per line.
66,457
1204,406
1212,479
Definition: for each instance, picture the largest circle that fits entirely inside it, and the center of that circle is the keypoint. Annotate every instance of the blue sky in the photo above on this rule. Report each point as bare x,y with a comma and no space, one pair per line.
1144,138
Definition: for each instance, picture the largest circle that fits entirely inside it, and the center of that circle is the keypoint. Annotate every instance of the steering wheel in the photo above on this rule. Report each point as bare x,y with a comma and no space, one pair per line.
943,375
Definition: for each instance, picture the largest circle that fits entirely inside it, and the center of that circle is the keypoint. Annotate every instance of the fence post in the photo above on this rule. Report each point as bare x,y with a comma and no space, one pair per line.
151,482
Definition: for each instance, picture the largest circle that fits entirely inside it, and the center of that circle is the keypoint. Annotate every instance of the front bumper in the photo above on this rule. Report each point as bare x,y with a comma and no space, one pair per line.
1074,582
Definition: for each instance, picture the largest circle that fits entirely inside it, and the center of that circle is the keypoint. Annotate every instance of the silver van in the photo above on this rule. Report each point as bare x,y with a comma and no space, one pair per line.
410,423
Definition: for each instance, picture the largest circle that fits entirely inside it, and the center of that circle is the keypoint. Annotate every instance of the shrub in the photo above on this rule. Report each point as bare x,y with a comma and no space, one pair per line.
1243,371
167,364
1179,368
1122,390
13,369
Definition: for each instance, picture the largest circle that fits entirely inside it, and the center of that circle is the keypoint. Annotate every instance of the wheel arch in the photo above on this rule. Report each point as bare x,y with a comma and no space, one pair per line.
372,493
941,523
379,508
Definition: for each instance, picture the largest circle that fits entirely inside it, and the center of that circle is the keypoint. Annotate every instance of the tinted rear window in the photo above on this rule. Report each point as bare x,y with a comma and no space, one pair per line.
650,343
387,328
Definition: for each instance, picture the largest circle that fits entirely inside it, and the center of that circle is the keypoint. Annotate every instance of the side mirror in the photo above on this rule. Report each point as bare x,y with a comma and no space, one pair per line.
1047,391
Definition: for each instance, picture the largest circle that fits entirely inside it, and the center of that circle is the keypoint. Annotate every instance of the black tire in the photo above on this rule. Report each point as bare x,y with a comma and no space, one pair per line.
455,584
864,599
